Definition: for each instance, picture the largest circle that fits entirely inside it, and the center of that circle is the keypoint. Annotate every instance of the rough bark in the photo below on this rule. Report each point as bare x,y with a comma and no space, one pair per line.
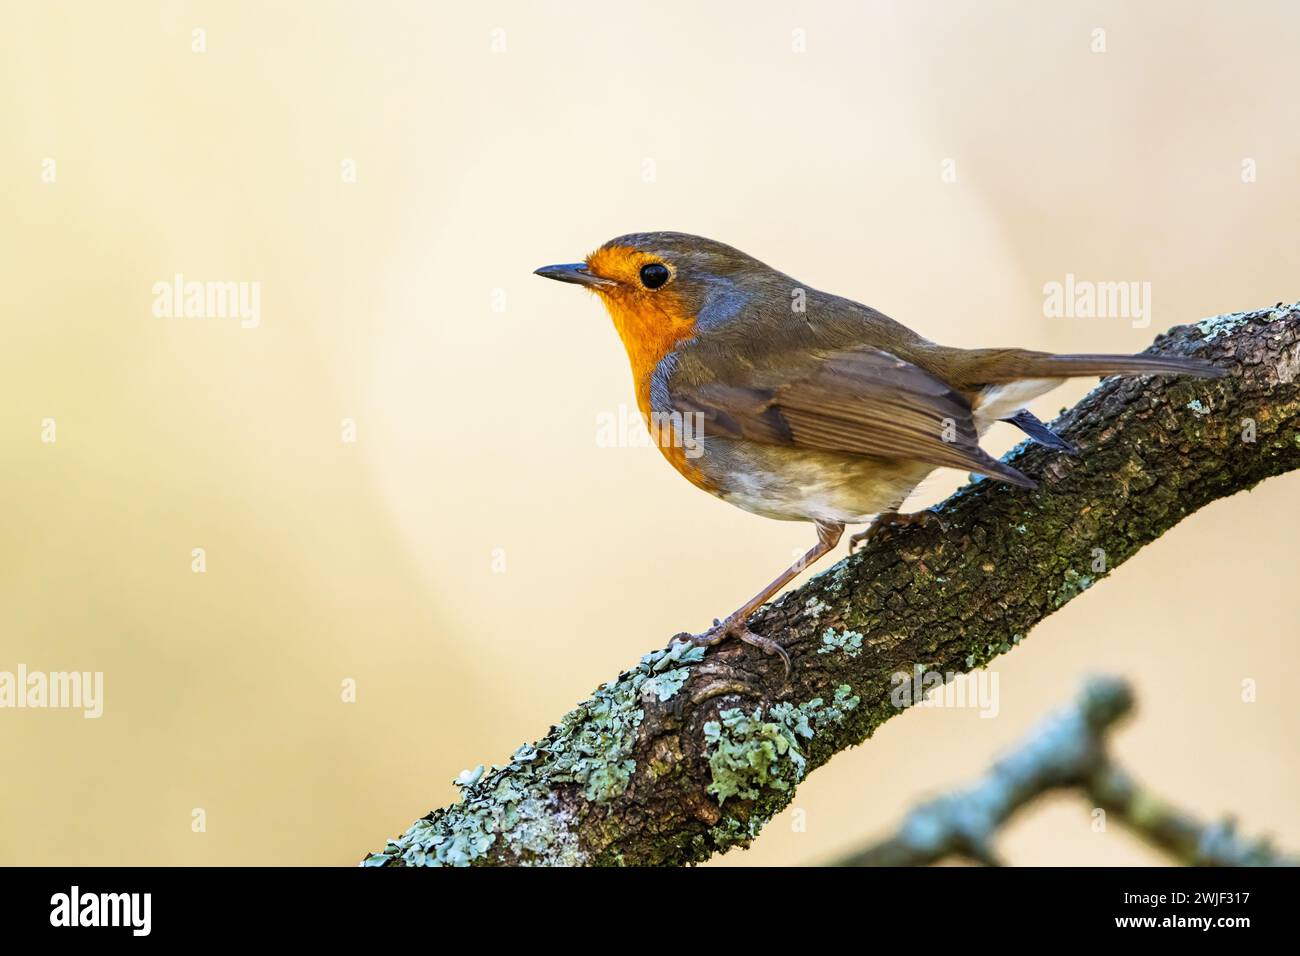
683,757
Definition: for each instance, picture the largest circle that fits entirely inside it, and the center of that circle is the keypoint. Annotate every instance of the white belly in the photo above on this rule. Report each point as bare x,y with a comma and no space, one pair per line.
807,485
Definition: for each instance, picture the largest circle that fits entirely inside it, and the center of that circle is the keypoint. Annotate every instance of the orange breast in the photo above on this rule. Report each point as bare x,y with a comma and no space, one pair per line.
650,327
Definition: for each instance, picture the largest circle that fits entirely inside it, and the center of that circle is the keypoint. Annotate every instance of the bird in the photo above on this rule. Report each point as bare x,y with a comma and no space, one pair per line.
801,405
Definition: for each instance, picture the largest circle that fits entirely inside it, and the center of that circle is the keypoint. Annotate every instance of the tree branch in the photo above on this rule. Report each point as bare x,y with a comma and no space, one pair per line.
688,754
1068,750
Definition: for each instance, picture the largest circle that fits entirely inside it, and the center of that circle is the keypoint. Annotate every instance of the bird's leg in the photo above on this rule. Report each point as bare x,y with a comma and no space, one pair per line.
828,536
892,519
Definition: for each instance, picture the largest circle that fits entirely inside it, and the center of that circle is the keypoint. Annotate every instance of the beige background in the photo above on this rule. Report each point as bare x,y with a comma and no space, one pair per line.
477,428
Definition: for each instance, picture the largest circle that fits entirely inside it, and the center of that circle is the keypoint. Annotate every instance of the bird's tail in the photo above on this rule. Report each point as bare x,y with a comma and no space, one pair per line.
1001,366
1069,366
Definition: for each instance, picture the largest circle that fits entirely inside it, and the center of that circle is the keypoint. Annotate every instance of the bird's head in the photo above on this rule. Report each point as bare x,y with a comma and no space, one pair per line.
660,287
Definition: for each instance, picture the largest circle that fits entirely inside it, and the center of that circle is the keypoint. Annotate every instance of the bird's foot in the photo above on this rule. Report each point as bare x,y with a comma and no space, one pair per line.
735,627
892,519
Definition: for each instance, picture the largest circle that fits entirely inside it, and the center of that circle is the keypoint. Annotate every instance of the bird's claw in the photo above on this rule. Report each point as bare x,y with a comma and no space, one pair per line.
766,645
890,520
731,627
714,635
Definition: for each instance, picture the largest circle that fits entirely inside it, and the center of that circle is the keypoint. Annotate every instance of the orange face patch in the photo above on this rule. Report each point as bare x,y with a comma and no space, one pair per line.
650,322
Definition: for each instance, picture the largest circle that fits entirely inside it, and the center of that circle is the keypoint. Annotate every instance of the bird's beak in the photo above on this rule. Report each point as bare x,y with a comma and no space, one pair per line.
575,272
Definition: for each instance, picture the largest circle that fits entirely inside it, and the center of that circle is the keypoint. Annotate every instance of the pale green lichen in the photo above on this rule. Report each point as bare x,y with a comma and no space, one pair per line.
592,747
850,642
1075,584
748,752
1196,406
838,577
838,710
735,832
805,718
815,607
668,680
1282,312
1218,325
596,739
467,778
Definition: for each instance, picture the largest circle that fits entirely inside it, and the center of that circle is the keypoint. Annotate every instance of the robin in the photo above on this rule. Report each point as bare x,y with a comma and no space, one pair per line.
801,405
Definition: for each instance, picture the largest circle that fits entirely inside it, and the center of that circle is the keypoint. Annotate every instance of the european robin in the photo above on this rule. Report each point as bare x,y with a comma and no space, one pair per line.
801,405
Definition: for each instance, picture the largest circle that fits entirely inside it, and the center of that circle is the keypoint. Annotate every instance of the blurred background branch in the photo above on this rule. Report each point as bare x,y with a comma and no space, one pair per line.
1067,751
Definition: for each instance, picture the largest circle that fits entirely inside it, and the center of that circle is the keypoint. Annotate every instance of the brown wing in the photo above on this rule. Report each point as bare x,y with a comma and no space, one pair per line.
859,401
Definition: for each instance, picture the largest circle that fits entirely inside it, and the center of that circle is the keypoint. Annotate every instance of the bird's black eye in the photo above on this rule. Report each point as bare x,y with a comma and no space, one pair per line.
654,274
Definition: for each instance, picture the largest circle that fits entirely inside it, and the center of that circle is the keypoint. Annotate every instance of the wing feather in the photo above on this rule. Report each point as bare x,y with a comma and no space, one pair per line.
860,401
